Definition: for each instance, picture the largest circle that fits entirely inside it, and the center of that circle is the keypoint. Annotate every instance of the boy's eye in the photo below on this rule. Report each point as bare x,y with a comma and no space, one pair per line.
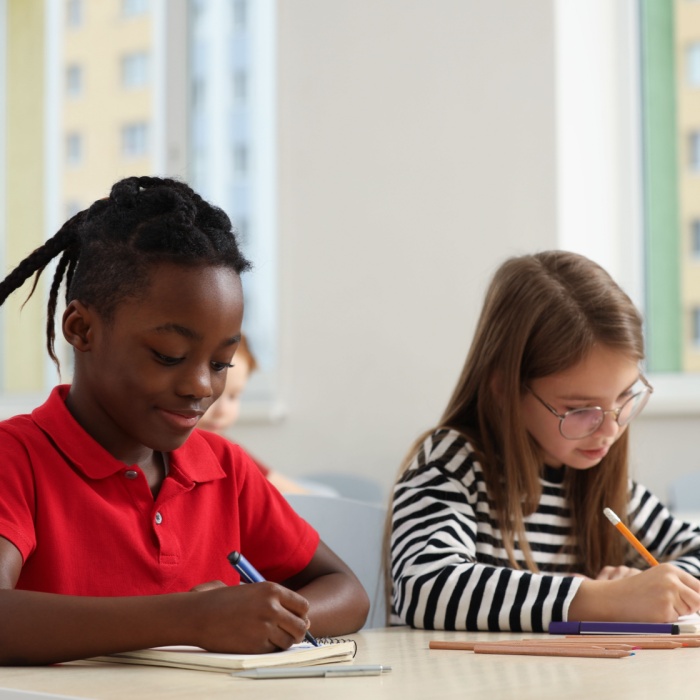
221,366
166,359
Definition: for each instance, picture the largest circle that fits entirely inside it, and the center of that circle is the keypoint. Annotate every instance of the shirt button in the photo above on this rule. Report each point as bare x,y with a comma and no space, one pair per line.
131,474
159,518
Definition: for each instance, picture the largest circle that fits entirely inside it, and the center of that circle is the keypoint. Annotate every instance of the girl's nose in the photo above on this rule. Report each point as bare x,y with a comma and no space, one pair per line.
609,427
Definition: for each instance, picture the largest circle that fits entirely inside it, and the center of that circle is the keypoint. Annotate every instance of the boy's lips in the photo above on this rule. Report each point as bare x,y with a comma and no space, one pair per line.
185,420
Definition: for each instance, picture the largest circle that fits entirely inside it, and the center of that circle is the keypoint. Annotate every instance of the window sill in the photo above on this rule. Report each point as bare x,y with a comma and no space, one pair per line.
254,411
674,395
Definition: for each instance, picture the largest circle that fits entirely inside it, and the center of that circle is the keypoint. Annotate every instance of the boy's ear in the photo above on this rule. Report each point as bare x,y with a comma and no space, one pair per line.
77,325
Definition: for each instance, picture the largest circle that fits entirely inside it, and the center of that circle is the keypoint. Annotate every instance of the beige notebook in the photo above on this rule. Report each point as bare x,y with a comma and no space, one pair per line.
305,654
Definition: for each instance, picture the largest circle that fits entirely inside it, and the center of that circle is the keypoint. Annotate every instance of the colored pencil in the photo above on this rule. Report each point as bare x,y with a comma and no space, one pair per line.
546,650
469,646
610,515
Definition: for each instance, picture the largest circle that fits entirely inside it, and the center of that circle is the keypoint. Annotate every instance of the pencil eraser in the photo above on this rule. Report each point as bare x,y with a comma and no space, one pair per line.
564,627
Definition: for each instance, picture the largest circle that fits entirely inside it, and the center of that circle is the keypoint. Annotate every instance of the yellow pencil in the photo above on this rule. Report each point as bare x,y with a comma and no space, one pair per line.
610,515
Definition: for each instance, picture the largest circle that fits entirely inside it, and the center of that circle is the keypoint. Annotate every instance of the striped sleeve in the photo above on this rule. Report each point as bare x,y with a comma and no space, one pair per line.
667,538
448,563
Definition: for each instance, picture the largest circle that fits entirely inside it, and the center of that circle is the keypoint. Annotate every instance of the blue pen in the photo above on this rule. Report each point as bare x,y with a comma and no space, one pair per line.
250,574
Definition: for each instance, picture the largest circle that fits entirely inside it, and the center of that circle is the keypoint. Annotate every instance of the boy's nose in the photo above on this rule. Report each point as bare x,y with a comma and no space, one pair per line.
197,383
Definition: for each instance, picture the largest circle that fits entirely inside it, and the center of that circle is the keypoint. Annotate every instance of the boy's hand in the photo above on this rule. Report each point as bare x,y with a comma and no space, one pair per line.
208,586
251,618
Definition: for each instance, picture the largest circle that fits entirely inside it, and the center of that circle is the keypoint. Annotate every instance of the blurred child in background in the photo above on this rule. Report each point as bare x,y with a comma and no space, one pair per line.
224,412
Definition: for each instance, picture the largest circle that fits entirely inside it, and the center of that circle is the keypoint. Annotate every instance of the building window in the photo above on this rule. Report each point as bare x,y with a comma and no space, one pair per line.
694,151
240,160
74,81
74,149
240,14
135,140
695,238
242,231
74,13
135,70
695,327
240,87
72,207
692,57
133,8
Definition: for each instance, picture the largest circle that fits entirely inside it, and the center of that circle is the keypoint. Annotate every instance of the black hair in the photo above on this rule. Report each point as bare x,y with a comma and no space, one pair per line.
108,249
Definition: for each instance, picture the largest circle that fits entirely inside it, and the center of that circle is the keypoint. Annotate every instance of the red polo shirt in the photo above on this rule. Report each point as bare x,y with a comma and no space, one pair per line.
87,524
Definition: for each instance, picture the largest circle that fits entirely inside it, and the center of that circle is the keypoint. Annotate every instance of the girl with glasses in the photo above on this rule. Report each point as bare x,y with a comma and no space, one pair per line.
497,519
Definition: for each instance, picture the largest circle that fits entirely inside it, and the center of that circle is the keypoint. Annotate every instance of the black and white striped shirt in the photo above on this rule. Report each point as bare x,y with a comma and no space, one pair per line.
450,568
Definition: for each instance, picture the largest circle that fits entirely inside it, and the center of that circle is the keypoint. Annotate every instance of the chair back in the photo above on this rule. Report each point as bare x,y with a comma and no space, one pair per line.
353,530
684,493
347,485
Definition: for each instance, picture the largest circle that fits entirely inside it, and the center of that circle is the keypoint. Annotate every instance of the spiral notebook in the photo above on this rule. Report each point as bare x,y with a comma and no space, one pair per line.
331,650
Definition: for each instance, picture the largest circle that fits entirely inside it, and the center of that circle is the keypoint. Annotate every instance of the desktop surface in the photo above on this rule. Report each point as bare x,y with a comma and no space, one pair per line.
418,672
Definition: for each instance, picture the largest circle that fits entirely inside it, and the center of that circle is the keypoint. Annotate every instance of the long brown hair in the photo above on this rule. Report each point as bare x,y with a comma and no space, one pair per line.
542,314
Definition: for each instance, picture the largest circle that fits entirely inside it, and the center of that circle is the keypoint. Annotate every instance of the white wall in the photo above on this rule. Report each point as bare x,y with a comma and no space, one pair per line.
416,152
421,143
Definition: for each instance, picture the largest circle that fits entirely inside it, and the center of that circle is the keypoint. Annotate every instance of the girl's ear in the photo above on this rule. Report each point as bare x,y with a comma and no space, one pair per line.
77,325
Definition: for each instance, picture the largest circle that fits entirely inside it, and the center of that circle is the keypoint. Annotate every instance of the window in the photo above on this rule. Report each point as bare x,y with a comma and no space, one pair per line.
232,155
242,231
692,57
133,8
695,326
630,103
240,87
74,13
187,107
72,207
694,151
670,63
240,14
695,238
135,70
135,140
240,160
74,149
74,81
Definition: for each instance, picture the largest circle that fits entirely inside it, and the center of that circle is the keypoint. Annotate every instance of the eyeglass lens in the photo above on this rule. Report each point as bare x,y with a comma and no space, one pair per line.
585,421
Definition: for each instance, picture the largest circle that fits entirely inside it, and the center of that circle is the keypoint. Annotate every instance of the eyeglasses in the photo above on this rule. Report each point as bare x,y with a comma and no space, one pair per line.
582,422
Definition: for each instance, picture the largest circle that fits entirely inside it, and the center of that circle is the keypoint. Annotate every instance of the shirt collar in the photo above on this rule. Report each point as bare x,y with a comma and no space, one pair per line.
194,461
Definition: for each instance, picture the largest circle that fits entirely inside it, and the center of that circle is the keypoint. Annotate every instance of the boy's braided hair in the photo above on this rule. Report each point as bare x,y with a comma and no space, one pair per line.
106,251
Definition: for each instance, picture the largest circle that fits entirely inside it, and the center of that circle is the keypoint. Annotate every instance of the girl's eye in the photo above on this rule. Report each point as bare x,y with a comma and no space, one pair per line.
221,366
166,359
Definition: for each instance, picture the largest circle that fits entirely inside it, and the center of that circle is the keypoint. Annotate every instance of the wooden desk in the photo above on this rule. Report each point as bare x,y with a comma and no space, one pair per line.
418,672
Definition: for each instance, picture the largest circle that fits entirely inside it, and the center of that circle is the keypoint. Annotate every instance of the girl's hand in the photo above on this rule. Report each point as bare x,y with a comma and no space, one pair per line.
248,619
660,594
612,573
